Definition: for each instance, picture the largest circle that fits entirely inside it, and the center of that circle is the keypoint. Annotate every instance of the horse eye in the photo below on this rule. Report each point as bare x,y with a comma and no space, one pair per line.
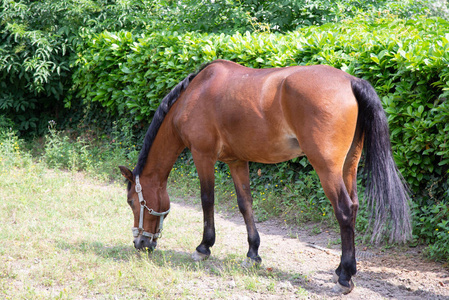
130,202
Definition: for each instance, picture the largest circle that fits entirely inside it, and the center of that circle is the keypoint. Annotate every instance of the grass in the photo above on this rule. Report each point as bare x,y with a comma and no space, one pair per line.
66,235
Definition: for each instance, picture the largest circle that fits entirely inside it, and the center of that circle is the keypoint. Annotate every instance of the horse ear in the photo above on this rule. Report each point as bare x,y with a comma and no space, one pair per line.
126,173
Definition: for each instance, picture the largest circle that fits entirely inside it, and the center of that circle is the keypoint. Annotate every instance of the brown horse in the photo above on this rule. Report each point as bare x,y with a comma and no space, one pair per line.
235,114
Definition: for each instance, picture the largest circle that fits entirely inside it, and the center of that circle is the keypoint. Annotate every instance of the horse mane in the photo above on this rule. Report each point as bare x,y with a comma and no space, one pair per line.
159,117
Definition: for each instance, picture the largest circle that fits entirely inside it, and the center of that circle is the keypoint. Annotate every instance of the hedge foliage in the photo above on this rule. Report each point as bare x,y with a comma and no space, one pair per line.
230,16
39,39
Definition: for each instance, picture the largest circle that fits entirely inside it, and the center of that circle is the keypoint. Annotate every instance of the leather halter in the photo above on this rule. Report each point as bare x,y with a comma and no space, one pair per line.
143,204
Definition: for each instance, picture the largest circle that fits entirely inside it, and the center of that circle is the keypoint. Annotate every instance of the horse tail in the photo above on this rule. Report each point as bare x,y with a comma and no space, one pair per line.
386,193
159,117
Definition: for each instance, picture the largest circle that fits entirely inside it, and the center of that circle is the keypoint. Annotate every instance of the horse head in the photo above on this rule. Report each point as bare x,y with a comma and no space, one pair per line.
145,200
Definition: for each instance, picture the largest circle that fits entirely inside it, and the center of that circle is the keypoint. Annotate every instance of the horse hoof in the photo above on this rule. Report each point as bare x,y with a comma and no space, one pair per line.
335,278
198,256
340,289
249,263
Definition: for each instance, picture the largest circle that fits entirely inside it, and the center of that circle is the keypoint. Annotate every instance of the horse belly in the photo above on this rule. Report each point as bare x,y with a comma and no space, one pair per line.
262,149
280,150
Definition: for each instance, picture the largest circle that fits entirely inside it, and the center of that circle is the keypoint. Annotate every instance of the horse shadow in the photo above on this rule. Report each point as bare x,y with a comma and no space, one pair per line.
230,266
113,252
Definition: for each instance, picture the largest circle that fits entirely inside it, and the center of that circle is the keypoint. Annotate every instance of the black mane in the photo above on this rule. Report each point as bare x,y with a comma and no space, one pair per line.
158,118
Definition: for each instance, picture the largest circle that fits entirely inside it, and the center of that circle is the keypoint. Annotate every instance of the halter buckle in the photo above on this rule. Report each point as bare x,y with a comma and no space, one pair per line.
138,188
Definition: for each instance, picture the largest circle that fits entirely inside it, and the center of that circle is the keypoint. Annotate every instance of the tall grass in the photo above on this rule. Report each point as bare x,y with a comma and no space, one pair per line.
99,158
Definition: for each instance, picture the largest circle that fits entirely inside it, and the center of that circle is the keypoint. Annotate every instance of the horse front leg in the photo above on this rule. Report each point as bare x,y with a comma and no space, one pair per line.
205,169
240,175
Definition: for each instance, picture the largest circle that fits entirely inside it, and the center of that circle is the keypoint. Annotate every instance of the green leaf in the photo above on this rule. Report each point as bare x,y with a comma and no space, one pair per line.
374,58
126,70
444,162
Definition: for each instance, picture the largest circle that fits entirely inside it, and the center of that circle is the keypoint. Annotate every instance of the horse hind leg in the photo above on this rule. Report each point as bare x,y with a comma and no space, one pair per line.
350,179
240,175
331,177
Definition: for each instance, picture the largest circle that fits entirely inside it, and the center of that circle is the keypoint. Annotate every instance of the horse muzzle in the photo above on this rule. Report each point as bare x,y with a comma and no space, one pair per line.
144,243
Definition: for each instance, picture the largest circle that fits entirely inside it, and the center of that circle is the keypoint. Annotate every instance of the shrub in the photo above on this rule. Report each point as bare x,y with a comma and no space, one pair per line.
37,43
432,226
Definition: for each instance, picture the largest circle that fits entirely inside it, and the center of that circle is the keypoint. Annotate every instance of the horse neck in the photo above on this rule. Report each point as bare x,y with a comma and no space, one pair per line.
163,154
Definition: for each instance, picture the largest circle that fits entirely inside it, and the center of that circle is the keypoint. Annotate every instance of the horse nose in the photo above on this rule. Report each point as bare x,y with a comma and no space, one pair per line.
144,243
139,243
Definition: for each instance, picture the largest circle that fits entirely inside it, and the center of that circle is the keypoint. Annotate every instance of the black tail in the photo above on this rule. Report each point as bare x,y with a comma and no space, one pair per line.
159,117
386,193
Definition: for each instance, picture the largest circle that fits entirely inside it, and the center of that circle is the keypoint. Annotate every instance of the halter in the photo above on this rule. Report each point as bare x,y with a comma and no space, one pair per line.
143,205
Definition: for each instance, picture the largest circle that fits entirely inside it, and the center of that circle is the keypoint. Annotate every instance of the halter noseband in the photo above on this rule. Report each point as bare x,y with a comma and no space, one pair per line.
143,205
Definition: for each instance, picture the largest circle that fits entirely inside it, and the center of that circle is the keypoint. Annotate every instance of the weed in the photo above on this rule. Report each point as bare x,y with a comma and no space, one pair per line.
331,243
301,292
316,230
98,159
12,152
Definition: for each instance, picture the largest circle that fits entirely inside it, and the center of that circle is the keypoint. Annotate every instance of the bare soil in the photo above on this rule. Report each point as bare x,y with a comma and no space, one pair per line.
306,261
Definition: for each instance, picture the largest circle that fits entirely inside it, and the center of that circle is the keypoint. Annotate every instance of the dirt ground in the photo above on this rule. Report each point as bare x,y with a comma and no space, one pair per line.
395,273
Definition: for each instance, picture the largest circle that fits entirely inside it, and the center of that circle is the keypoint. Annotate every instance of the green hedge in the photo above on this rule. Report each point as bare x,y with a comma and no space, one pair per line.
38,39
